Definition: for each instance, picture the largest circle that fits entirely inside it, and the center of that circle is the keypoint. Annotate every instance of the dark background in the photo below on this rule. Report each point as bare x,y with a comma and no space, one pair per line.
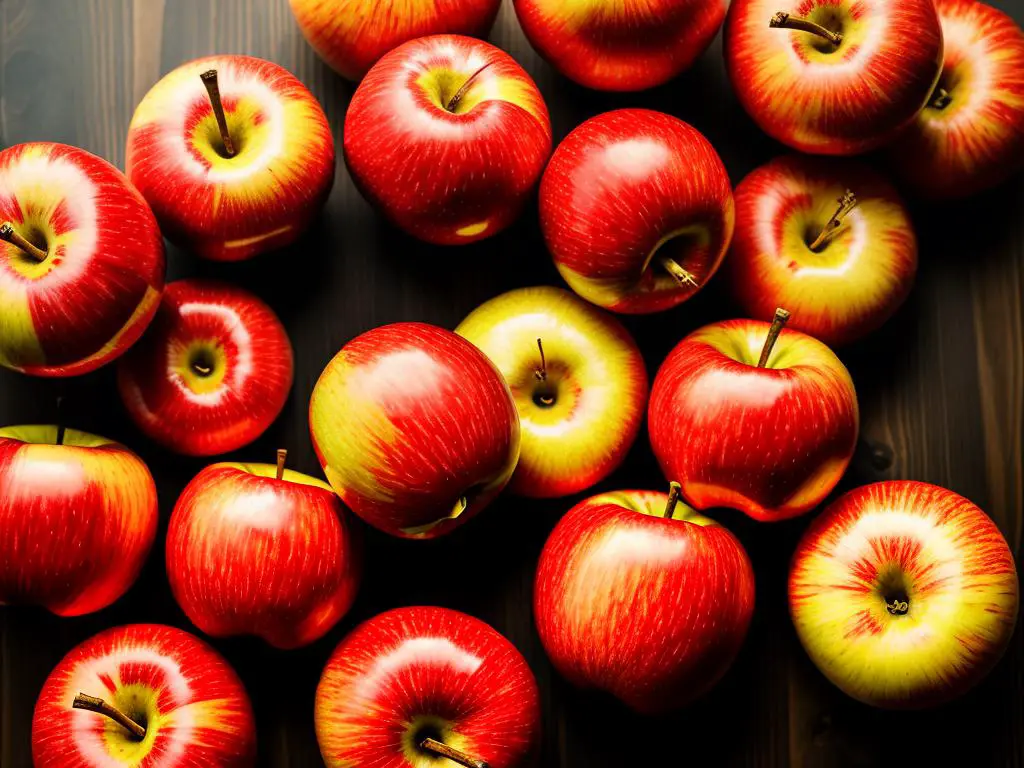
941,389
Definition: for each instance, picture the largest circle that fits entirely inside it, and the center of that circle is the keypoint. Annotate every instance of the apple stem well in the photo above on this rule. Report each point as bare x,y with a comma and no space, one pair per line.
443,750
781,318
940,99
15,238
674,489
100,707
282,457
213,89
846,204
453,102
682,277
783,20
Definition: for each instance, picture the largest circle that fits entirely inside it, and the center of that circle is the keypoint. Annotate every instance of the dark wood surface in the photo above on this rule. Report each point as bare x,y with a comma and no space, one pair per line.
941,387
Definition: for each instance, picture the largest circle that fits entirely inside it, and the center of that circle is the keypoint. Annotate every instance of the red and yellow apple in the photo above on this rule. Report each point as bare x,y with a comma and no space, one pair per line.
829,239
81,261
627,45
833,77
577,379
637,210
413,686
213,372
259,549
143,695
233,153
904,594
641,597
415,429
746,415
351,35
970,135
78,515
447,136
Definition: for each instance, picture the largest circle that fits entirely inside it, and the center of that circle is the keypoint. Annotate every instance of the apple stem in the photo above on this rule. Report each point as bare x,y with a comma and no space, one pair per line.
846,204
453,102
282,457
443,750
14,237
682,277
674,489
781,318
783,20
542,372
940,99
213,89
60,421
100,707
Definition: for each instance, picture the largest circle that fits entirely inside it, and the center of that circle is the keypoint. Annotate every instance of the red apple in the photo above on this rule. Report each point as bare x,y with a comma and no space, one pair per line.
213,372
78,516
833,77
904,594
234,154
620,46
413,686
744,422
143,695
81,261
351,35
261,550
637,210
643,598
447,136
970,135
829,239
415,429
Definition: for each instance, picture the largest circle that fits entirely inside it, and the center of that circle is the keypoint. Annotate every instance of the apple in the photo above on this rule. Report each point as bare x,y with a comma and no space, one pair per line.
639,596
447,136
78,516
413,686
577,379
904,594
262,550
415,429
827,238
833,77
213,372
143,695
620,46
81,261
637,210
234,154
351,35
750,416
970,135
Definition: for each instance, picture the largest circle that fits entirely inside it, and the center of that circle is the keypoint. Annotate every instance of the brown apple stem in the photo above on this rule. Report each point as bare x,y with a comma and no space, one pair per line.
213,89
453,102
674,490
783,20
682,277
781,318
60,421
541,373
846,204
100,707
443,750
15,238
940,99
282,457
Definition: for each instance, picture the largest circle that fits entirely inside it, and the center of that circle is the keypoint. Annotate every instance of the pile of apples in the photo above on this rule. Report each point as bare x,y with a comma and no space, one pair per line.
904,594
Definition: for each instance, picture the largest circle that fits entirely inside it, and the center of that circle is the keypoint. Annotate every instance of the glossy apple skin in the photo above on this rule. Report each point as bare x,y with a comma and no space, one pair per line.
853,284
351,35
447,177
106,260
820,99
76,520
195,708
411,670
771,442
977,141
250,361
287,561
932,548
594,372
623,46
624,188
263,198
415,429
649,609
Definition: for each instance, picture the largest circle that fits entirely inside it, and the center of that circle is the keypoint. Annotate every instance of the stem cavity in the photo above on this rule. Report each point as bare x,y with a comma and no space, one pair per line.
100,707
781,318
213,89
846,204
282,457
682,277
783,20
15,238
674,490
940,99
453,102
443,750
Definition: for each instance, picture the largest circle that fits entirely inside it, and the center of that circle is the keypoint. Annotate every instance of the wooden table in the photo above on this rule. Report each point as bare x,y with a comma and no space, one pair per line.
942,394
